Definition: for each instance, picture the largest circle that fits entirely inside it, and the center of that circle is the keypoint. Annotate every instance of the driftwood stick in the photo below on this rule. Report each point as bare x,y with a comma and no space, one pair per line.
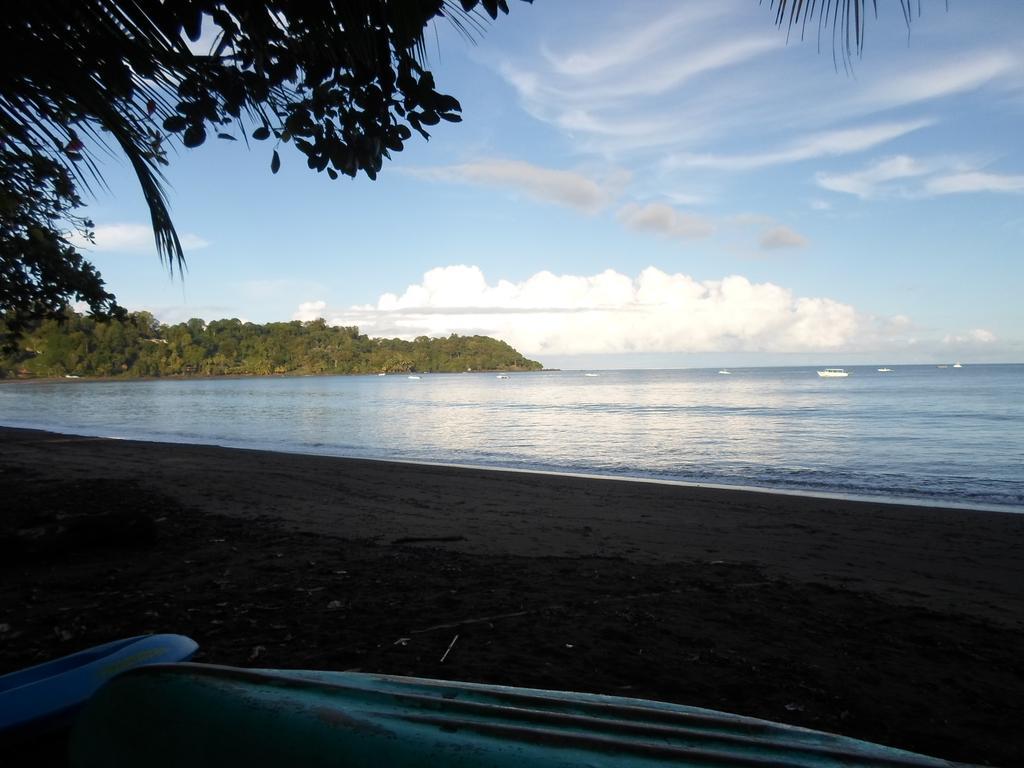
450,646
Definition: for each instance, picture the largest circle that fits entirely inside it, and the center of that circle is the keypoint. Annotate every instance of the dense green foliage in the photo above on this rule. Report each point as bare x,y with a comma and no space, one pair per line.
40,271
138,345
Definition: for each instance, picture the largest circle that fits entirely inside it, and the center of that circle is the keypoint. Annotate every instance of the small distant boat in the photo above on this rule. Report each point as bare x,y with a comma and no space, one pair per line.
591,374
415,378
725,372
71,376
382,374
885,370
502,376
957,365
833,373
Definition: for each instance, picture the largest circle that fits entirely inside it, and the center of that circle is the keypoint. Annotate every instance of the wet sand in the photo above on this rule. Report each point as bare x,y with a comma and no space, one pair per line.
898,624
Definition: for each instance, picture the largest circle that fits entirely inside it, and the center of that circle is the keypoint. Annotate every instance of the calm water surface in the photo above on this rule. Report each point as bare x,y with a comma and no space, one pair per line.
921,432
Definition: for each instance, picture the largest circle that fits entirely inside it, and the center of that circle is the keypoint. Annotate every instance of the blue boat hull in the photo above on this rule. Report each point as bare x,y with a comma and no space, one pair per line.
48,694
199,715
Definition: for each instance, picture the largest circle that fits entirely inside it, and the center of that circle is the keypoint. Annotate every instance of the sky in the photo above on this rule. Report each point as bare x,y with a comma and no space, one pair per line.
645,184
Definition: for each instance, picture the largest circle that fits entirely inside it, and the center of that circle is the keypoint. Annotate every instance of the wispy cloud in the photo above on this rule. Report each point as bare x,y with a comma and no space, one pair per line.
967,72
973,181
636,86
781,237
870,181
635,44
131,238
906,176
825,144
662,219
569,188
665,220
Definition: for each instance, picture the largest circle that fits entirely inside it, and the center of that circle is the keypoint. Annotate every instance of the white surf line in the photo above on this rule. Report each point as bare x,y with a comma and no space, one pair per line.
835,495
812,494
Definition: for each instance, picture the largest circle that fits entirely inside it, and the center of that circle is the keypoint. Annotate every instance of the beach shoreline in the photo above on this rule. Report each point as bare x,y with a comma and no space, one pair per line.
897,623
820,494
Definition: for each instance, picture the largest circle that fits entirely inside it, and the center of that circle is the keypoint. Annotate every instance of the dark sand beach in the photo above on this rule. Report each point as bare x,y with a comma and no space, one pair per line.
897,624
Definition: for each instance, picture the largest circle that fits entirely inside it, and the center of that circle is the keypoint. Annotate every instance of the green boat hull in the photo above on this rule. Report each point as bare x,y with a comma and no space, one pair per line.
201,715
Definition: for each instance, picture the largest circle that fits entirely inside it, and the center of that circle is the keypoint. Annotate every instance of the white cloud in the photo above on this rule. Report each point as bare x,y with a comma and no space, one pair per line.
781,237
181,313
970,338
635,45
665,220
825,144
967,72
974,181
679,91
310,310
644,79
130,238
564,187
612,313
675,72
930,177
869,182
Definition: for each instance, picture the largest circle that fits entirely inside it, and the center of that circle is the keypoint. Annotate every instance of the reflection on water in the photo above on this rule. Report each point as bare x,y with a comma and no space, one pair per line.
919,432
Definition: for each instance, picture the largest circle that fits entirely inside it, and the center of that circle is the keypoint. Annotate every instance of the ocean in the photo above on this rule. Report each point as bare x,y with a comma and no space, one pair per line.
945,435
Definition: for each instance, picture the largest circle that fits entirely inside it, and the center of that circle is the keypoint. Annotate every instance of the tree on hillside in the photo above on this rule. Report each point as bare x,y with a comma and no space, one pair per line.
344,82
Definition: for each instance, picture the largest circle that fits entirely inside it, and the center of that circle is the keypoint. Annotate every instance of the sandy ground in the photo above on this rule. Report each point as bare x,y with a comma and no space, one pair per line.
897,624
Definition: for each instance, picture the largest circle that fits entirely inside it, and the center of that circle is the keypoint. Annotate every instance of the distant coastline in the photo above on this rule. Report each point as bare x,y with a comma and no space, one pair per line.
139,346
83,379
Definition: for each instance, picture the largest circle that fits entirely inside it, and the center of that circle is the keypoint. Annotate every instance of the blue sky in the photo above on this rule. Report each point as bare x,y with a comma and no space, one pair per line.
646,184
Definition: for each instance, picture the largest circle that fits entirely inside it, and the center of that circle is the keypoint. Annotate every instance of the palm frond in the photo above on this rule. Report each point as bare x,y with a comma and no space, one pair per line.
845,18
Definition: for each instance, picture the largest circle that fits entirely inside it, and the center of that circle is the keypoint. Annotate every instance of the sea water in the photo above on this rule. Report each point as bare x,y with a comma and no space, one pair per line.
939,435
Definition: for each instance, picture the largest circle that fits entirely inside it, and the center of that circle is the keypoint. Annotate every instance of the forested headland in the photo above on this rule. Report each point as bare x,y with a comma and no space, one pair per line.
139,345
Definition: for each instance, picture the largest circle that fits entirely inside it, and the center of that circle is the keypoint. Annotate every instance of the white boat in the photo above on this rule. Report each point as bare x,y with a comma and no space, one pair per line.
833,373
591,374
502,376
382,374
957,365
725,372
885,370
414,378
